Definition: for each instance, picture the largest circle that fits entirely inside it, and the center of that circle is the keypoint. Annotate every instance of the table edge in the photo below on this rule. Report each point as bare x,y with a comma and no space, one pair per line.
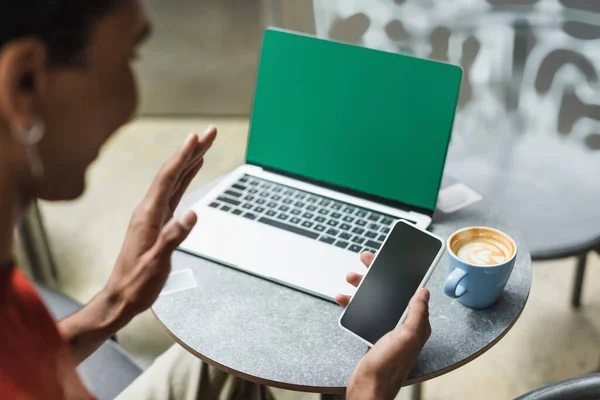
252,378
473,356
337,389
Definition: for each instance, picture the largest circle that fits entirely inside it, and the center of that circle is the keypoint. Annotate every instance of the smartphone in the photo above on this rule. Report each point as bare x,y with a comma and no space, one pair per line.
403,264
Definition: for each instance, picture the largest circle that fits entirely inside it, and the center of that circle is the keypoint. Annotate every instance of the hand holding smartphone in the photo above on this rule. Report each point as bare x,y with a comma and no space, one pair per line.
383,370
403,265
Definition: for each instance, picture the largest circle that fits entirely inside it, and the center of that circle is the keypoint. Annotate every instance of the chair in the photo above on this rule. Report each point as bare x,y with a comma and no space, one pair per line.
33,248
581,388
109,370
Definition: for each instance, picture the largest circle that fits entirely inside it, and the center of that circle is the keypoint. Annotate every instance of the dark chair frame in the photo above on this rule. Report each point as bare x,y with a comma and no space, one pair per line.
581,388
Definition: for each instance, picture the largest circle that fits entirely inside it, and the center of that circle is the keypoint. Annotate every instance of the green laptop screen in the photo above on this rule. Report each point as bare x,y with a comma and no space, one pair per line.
374,122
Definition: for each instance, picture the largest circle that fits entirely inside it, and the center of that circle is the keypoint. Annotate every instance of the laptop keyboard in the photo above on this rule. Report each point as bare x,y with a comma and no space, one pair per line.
316,217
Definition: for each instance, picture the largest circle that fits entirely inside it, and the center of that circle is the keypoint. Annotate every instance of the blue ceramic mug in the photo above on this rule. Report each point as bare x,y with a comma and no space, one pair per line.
480,261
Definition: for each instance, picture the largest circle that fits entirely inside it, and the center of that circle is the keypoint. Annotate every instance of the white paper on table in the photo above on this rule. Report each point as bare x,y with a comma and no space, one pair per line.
456,197
178,281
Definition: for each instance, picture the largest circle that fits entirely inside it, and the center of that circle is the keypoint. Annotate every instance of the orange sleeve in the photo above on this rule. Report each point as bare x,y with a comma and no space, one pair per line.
35,363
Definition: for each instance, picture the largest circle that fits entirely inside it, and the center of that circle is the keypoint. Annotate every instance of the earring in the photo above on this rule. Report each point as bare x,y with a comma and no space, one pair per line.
30,138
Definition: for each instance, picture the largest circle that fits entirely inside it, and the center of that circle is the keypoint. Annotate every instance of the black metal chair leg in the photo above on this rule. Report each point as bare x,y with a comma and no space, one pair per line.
578,284
417,391
333,396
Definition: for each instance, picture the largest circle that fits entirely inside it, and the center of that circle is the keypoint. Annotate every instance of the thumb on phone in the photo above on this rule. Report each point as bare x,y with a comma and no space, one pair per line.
417,319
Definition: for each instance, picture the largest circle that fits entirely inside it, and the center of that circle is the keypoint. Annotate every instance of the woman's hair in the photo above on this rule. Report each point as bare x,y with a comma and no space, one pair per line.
63,25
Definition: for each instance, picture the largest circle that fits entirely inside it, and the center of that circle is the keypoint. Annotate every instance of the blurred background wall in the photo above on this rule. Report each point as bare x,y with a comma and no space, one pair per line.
202,57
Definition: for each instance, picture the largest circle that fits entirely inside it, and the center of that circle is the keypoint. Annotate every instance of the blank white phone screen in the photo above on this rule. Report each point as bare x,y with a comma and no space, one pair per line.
394,276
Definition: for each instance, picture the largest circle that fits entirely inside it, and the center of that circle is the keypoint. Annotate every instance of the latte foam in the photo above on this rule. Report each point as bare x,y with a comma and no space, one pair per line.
482,246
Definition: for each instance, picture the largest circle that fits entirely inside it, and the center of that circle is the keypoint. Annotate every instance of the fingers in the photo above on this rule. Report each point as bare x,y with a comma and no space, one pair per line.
354,279
342,299
192,167
189,166
172,170
185,183
367,258
205,141
417,319
173,233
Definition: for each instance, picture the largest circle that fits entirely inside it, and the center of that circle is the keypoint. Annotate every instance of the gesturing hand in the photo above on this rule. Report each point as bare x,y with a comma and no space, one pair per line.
383,370
144,263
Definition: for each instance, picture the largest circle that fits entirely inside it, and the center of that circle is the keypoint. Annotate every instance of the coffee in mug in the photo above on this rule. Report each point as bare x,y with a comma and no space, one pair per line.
482,246
480,262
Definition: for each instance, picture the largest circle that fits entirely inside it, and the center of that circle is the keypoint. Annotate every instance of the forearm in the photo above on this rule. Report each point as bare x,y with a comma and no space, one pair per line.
85,330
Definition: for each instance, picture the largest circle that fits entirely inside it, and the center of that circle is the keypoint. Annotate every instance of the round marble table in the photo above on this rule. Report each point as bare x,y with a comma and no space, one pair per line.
273,335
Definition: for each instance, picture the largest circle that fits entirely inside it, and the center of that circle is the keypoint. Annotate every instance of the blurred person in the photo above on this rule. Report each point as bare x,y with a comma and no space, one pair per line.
66,85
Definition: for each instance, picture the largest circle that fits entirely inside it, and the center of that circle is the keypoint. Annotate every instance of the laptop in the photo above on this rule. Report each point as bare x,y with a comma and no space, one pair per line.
343,141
